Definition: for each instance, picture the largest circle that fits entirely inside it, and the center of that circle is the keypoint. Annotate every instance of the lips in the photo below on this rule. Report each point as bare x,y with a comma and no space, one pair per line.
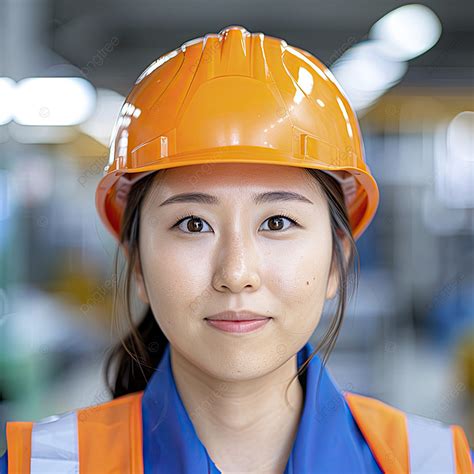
238,327
243,315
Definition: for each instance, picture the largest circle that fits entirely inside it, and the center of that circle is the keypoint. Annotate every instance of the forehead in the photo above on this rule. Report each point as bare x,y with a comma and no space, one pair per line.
231,179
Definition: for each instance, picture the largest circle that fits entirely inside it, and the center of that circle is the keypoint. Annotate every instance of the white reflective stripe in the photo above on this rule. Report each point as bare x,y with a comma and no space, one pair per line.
54,445
430,445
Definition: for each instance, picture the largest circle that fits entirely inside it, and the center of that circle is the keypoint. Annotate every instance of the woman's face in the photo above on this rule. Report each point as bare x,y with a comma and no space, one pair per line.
236,255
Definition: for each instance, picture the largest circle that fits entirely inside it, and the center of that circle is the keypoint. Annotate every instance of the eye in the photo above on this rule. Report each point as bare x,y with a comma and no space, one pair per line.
277,222
194,225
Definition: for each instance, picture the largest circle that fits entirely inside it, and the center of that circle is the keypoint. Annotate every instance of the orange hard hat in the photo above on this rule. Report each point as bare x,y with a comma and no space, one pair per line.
237,97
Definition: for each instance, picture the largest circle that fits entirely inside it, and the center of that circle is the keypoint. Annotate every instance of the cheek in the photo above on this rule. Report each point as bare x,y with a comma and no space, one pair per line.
299,273
177,277
297,279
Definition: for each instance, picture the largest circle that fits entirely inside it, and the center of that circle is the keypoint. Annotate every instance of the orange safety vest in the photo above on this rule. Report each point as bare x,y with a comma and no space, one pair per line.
107,438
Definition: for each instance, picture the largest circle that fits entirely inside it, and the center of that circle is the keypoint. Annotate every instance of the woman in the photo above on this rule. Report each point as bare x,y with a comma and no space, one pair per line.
236,186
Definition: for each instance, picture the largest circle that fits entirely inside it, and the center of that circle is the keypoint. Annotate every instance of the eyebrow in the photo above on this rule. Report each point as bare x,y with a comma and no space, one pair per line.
204,198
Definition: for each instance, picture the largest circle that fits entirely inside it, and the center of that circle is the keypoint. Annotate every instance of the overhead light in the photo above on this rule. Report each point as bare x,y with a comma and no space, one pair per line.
365,74
407,31
454,164
366,69
52,101
460,138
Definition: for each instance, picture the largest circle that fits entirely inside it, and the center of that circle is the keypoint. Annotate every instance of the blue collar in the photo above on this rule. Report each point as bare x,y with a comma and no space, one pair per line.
328,439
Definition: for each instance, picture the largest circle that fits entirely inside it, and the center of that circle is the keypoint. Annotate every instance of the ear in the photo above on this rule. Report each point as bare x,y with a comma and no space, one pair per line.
139,279
333,279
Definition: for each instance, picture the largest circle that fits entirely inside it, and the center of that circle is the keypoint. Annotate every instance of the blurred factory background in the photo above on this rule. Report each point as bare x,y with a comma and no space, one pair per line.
65,69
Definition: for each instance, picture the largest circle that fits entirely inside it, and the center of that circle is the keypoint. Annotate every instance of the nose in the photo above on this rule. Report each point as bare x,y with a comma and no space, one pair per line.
236,266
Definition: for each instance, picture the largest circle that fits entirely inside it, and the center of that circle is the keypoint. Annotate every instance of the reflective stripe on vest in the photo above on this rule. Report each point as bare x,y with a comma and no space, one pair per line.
431,445
54,445
107,438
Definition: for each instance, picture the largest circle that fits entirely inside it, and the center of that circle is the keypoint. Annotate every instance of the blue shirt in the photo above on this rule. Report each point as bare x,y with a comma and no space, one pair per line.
327,441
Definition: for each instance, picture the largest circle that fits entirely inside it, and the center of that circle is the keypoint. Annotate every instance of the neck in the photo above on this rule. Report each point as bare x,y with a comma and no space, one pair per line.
232,418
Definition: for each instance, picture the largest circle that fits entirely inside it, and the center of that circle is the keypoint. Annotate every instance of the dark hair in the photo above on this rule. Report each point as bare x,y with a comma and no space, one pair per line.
140,351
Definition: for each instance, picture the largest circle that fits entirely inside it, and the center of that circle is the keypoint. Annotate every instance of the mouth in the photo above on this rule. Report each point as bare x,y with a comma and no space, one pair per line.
238,322
238,327
238,316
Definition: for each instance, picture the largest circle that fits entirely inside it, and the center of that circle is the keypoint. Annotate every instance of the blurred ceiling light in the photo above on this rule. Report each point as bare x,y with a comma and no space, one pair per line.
367,70
407,31
371,70
51,101
460,138
365,73
454,165
100,124
360,100
7,87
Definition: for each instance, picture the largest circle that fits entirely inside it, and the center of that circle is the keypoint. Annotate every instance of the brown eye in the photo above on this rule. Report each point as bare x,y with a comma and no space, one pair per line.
276,223
194,224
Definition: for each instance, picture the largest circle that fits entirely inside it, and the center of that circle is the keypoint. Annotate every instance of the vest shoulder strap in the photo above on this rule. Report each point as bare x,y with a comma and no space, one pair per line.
104,438
19,446
407,443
